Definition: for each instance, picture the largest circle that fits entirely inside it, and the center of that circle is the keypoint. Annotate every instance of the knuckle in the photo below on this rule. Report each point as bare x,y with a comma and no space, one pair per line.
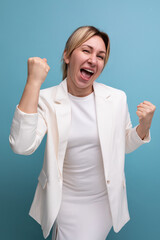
34,60
153,108
144,114
29,59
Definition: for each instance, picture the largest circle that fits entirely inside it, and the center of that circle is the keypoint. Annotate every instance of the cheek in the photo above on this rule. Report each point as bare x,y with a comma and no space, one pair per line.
76,62
101,66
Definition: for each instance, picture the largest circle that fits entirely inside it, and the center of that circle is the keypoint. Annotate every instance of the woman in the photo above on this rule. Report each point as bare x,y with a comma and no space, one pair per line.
81,187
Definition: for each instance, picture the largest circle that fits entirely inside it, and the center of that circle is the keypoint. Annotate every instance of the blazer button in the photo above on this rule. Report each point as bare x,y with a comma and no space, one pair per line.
108,181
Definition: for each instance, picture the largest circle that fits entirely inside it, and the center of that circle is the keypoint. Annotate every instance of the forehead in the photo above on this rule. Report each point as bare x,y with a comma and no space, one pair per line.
96,43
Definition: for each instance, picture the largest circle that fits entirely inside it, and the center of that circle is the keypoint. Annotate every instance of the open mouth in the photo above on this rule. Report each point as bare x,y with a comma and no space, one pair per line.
86,73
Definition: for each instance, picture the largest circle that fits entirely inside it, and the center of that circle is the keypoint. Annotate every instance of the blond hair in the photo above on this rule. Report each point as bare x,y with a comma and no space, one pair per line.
78,37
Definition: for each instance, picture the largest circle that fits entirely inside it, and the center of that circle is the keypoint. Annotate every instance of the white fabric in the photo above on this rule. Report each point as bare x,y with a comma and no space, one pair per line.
84,212
54,118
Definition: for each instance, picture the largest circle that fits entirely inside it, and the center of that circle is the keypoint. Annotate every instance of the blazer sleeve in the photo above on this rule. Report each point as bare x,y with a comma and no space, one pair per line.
27,130
132,139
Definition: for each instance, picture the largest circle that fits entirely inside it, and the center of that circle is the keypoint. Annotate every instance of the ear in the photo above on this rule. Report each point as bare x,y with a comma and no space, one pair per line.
66,59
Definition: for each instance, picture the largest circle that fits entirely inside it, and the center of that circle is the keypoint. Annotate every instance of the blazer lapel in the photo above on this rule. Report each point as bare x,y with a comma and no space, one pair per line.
63,115
104,112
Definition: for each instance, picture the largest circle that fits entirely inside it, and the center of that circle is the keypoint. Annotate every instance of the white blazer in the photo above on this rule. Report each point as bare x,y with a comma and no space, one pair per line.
116,134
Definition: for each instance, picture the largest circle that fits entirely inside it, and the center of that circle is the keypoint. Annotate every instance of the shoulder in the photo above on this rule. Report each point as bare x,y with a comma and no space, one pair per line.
48,92
114,92
46,97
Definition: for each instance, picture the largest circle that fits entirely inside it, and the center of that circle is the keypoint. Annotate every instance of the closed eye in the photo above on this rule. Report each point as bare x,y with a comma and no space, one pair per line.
101,57
85,50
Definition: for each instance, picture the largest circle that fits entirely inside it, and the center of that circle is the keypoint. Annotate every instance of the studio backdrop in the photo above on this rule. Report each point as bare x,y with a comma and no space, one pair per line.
41,28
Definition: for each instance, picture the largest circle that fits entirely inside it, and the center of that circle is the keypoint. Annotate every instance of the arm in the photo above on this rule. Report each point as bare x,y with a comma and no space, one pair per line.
136,136
145,112
27,130
37,72
29,124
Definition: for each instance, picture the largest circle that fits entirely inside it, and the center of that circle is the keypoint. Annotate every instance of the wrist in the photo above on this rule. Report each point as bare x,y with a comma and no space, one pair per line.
144,127
33,83
142,131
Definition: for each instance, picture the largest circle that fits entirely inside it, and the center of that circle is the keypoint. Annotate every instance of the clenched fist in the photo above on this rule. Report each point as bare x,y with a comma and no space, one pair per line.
145,112
37,70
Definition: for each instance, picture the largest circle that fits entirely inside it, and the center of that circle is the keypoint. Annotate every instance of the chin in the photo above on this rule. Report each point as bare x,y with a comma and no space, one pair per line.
84,83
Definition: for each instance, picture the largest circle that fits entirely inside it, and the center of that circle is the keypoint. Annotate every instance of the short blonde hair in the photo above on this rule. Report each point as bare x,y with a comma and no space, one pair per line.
78,37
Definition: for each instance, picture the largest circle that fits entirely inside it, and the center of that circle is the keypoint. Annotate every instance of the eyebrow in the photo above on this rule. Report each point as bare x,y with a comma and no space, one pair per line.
92,48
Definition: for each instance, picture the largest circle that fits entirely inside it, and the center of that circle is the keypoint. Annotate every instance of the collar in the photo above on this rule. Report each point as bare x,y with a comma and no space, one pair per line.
100,90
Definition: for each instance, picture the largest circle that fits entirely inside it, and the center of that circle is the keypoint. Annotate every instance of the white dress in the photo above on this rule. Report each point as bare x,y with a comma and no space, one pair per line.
84,213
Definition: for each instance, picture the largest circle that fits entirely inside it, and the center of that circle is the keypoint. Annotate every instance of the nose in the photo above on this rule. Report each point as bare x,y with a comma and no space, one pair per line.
92,59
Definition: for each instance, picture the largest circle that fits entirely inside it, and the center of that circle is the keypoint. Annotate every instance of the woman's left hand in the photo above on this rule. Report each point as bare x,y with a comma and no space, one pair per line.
145,112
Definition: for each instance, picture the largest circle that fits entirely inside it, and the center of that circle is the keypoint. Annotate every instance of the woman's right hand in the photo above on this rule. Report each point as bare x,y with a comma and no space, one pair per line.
37,70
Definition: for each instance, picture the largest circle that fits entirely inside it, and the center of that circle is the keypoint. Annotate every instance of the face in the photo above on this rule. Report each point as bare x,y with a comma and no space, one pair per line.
85,65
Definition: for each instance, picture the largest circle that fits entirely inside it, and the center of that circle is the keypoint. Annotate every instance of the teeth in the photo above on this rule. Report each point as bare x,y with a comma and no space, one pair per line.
88,70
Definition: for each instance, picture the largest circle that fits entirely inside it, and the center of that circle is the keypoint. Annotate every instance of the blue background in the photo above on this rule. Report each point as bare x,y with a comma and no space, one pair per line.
41,28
